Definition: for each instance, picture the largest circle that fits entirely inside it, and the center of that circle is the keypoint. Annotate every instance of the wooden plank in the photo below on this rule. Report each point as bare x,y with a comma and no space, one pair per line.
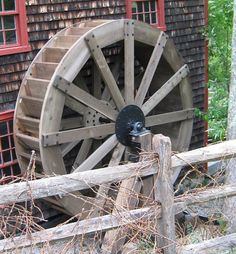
84,97
83,152
215,245
31,142
74,229
104,222
71,123
36,87
43,70
98,154
171,117
127,199
151,68
102,193
105,70
28,156
31,106
59,185
73,182
53,55
75,105
164,193
61,137
77,30
29,124
129,61
66,148
161,93
64,41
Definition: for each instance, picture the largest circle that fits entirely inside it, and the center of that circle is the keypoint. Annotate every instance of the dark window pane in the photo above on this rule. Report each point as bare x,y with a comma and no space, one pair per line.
12,141
13,154
154,18
0,5
140,17
147,17
7,171
16,170
140,8
153,5
11,125
1,43
1,23
3,129
6,156
9,5
134,16
134,7
10,37
9,22
5,143
146,6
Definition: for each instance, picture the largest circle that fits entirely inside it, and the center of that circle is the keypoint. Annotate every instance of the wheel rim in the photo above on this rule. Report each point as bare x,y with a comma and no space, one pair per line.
87,105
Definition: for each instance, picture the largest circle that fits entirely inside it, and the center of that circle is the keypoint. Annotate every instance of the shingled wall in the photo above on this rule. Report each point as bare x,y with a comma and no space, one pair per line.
185,24
184,20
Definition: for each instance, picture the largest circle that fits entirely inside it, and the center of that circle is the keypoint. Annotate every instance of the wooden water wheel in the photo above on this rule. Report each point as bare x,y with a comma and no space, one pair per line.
78,83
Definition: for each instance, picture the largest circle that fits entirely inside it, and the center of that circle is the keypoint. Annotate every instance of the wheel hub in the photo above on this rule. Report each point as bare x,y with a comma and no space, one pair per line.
130,122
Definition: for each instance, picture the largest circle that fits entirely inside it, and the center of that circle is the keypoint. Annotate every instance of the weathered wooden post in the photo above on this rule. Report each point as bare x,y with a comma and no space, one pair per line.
163,192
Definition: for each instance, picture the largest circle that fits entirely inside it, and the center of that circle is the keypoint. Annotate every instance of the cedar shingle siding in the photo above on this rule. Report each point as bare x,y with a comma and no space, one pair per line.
184,20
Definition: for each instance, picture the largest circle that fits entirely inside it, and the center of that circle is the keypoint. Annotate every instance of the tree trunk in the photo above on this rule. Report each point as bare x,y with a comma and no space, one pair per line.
231,133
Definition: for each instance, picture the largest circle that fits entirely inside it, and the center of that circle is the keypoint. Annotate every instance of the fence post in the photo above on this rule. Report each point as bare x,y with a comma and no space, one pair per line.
163,192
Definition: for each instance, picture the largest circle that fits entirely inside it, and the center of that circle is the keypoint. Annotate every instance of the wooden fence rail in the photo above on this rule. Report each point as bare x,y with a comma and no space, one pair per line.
62,185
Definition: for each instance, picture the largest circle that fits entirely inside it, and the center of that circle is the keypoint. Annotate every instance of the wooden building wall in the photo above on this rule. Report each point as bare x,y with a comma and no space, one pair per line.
184,20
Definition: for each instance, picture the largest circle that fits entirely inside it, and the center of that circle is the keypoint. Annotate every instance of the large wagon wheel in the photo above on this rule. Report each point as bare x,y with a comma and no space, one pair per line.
80,81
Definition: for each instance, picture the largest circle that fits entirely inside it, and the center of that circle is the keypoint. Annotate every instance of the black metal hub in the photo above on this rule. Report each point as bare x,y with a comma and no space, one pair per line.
130,122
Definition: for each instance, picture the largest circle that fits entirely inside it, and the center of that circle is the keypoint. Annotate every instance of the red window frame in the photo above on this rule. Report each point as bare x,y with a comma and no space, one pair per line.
8,162
160,12
22,43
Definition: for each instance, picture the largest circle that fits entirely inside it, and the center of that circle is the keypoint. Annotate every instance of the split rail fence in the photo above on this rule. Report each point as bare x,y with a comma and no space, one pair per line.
165,170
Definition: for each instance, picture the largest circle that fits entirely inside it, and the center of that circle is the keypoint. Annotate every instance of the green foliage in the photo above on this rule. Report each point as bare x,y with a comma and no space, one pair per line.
220,35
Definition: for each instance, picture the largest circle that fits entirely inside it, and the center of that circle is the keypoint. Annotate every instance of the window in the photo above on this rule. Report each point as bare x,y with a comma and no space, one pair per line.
13,27
8,162
149,11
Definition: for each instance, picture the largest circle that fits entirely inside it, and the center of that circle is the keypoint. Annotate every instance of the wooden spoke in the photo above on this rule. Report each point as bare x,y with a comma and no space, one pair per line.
171,117
104,188
71,123
129,61
75,105
151,68
97,83
84,97
66,148
116,73
98,155
83,152
61,137
161,93
105,70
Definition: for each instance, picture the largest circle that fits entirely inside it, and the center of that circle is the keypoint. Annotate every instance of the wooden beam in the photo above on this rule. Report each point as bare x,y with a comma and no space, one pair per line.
84,97
129,61
215,245
161,93
164,193
61,137
105,71
171,117
151,68
110,221
59,185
